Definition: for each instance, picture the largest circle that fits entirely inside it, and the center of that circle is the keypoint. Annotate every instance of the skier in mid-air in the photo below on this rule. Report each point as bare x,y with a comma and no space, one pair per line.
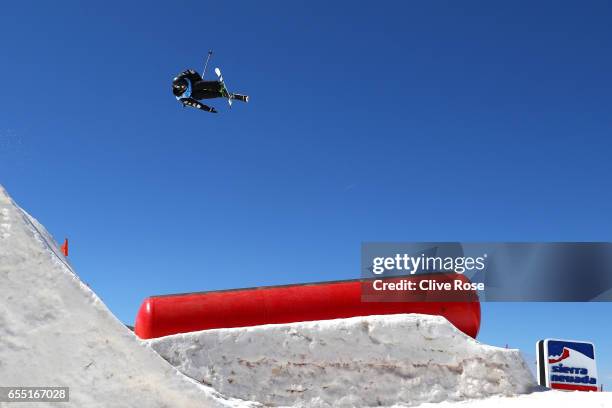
189,87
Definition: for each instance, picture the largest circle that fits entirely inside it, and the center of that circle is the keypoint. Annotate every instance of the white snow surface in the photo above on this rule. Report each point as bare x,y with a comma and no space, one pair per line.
359,361
54,331
543,399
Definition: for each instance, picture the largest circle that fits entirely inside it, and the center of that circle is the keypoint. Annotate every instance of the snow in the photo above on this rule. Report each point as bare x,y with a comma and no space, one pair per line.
542,399
359,361
54,331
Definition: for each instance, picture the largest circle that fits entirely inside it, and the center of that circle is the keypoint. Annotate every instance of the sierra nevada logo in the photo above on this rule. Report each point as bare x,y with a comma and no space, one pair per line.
567,365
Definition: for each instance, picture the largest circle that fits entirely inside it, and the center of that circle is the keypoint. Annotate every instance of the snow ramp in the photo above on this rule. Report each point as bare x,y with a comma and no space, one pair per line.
370,361
54,331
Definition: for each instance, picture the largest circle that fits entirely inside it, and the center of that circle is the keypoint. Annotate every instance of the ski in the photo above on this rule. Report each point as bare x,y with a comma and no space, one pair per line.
195,104
224,89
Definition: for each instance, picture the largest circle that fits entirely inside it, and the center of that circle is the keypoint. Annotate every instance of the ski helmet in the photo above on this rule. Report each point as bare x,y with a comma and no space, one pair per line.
179,86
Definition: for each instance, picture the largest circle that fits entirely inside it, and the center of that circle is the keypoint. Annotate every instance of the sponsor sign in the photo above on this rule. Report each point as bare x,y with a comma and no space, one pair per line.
567,365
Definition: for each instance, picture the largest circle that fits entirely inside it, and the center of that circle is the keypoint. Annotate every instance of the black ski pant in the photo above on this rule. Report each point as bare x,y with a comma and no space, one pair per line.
206,90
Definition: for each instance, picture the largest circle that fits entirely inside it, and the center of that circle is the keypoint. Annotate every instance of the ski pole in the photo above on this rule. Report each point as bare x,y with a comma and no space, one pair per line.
206,64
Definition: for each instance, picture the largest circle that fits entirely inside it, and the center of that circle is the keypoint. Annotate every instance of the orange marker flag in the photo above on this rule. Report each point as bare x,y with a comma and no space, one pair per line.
64,247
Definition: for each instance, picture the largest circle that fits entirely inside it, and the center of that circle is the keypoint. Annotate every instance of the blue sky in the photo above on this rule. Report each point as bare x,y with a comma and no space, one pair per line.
386,121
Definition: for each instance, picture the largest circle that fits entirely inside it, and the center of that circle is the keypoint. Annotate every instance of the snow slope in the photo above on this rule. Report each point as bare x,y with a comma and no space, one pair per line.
54,331
360,361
